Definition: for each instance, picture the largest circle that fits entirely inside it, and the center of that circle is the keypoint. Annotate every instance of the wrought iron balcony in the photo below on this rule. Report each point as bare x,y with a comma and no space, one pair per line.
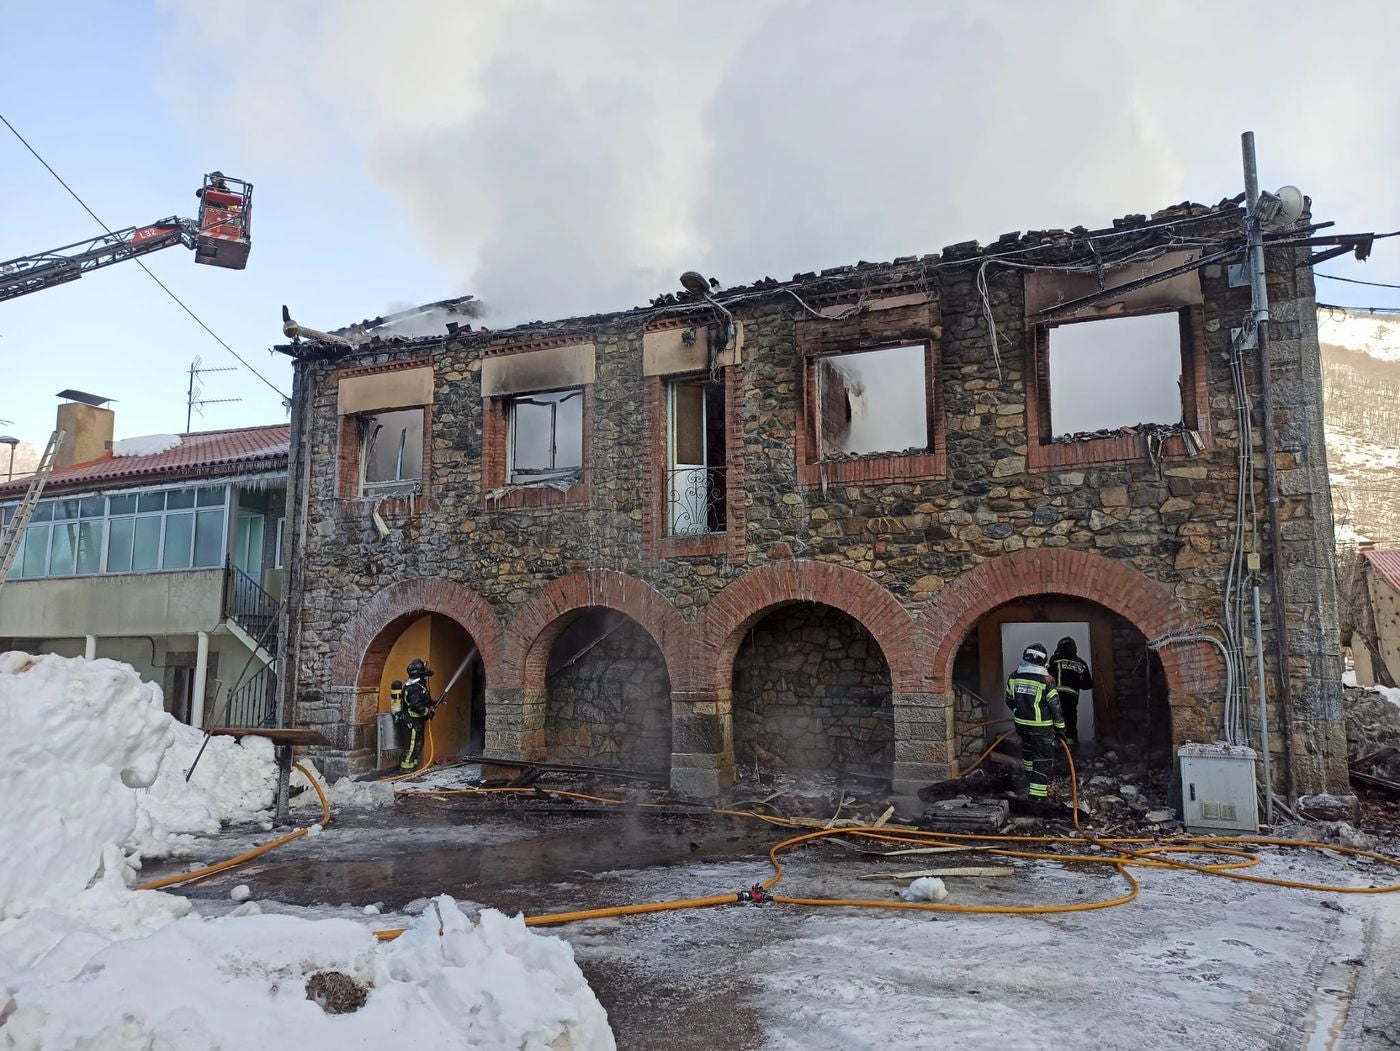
695,501
253,609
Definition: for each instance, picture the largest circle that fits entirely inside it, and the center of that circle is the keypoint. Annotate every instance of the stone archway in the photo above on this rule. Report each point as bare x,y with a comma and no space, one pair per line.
357,671
548,614
1192,670
704,753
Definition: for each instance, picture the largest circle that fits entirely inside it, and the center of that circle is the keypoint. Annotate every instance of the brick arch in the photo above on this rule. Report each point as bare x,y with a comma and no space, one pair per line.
1151,607
537,624
731,612
367,639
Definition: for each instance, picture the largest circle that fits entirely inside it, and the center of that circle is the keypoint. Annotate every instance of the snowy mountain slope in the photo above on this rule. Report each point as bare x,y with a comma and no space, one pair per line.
1361,392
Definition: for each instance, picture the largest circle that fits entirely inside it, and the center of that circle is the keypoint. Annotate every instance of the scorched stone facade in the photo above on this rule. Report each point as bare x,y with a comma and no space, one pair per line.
692,519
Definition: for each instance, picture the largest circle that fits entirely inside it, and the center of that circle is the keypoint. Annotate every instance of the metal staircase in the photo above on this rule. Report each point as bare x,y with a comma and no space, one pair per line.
14,532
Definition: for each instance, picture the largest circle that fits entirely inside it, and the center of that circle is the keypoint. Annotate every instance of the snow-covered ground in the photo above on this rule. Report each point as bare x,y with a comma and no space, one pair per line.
92,772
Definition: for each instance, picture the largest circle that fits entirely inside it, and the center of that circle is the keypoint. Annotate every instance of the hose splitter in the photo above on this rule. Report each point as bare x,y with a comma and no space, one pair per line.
757,895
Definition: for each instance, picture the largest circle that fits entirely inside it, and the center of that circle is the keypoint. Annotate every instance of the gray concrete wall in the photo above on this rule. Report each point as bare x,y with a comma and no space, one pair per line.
171,603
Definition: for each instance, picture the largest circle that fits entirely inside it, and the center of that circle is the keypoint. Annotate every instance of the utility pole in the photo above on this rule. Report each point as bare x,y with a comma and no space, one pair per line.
193,399
1259,308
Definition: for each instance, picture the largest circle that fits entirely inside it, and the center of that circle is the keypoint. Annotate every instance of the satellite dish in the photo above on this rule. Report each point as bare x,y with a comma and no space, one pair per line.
1290,205
1277,210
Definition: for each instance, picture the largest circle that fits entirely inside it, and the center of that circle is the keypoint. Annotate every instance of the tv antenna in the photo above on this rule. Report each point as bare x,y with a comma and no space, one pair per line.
194,399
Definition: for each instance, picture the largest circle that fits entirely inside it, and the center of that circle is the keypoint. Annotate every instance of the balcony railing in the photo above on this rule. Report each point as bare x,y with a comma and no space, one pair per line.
253,609
695,501
254,702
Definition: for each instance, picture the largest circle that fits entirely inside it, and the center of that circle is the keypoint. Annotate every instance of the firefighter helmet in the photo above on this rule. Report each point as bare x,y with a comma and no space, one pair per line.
1035,654
418,669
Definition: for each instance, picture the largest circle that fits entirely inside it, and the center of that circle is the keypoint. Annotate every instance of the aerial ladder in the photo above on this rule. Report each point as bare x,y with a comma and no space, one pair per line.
219,237
13,533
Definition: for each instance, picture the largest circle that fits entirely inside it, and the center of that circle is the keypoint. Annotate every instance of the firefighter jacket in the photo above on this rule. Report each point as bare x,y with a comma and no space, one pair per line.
1033,700
417,701
1071,674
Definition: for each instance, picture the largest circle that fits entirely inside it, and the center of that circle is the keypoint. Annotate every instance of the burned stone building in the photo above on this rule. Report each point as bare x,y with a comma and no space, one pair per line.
807,525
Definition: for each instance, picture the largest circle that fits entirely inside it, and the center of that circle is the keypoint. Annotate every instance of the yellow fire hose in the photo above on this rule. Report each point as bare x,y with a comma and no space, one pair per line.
1122,853
224,866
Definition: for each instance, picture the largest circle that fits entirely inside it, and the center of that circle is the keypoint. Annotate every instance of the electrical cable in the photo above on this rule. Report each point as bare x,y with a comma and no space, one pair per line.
1354,281
141,263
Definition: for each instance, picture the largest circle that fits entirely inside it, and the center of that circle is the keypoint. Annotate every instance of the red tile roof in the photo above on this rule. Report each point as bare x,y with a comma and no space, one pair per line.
1386,563
208,454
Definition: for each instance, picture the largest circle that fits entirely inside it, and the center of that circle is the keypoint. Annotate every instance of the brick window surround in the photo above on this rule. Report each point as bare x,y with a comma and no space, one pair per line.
1045,454
495,441
656,543
902,326
351,446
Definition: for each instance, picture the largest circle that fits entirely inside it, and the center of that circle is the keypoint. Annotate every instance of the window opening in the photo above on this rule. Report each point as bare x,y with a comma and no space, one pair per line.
133,532
695,457
1115,374
873,402
393,448
546,438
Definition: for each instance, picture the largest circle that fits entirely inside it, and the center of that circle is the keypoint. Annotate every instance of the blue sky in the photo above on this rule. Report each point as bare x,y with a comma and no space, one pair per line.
555,157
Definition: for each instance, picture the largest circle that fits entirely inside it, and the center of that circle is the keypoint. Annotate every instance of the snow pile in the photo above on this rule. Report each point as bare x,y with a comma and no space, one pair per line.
345,794
237,982
146,445
925,888
79,736
234,781
86,962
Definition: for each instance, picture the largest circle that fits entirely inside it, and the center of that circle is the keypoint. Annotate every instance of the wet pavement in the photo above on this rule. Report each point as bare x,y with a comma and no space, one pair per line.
1191,955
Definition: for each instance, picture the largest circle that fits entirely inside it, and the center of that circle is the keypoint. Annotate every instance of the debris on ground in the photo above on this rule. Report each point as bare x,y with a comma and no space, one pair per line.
335,992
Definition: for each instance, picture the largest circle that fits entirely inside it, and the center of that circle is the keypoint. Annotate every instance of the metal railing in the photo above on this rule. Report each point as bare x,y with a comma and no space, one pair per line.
254,703
695,501
252,608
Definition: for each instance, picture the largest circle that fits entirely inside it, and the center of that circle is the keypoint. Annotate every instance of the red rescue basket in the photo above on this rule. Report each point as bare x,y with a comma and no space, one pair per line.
225,211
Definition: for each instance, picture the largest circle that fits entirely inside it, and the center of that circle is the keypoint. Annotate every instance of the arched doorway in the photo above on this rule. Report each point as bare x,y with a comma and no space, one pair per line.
607,693
812,696
1127,712
459,725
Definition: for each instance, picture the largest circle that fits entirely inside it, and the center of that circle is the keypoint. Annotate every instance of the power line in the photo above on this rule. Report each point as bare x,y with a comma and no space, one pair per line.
1354,281
108,230
1359,310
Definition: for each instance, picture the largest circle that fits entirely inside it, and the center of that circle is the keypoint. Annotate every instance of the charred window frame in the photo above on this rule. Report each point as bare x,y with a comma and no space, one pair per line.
545,437
696,456
1187,437
849,423
391,450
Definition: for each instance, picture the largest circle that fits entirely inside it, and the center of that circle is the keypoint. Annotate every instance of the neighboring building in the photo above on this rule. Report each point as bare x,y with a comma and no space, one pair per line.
806,525
162,552
1375,634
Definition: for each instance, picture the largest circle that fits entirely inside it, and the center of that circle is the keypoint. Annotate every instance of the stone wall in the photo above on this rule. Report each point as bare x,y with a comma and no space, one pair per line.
611,706
916,547
812,694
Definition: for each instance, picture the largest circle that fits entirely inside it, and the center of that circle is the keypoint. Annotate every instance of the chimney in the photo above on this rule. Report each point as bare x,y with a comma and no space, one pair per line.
87,427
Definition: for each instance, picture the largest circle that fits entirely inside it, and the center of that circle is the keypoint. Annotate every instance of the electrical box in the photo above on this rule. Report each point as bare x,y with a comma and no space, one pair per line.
1217,788
388,746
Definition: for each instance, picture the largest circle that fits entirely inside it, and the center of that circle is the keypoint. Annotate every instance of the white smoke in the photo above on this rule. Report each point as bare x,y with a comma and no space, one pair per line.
559,158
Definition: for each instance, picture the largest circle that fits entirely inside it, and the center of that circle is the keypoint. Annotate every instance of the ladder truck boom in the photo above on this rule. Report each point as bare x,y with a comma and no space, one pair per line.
220,237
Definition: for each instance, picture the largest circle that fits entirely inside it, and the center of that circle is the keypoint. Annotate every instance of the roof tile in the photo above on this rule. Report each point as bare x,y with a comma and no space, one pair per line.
199,455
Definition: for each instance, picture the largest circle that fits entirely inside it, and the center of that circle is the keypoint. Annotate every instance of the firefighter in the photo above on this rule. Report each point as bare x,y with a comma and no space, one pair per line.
1035,707
1072,677
418,708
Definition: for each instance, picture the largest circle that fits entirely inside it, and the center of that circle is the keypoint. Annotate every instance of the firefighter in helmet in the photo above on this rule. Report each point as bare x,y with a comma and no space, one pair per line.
1072,677
1035,707
417,709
